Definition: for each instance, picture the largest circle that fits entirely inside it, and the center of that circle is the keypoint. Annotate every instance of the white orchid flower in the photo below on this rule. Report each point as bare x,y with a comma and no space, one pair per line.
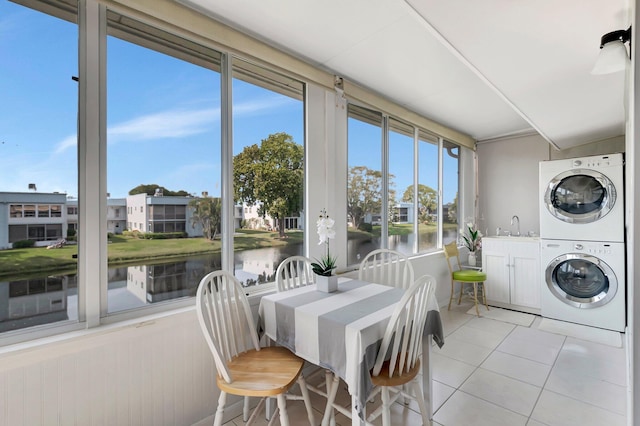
325,229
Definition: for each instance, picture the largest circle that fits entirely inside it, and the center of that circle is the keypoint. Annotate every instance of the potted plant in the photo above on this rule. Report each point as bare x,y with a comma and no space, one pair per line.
324,267
472,238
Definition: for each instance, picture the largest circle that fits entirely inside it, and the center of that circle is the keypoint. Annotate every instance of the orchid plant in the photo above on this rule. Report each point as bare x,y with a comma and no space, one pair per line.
327,263
472,237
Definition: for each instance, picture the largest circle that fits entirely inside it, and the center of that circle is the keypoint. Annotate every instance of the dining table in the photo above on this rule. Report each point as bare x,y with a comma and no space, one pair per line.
342,331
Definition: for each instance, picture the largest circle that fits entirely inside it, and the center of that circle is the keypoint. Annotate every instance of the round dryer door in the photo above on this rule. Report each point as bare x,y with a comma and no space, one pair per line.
582,281
580,196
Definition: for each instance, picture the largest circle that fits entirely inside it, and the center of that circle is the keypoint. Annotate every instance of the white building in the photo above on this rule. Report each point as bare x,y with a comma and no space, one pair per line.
155,213
116,215
41,217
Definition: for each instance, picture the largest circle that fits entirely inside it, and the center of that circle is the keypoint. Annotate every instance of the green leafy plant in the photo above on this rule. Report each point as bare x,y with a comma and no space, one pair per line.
472,237
327,263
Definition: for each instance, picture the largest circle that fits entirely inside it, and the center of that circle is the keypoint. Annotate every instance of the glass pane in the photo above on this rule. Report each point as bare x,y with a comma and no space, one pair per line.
38,165
163,153
427,192
401,206
364,182
450,185
268,162
578,194
581,279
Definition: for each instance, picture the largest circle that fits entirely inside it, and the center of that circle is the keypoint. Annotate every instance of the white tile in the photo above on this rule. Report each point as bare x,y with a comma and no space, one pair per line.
583,332
400,415
558,410
504,391
570,382
529,349
453,319
498,327
464,409
532,422
595,350
519,368
463,351
505,315
441,393
538,336
477,336
608,370
449,371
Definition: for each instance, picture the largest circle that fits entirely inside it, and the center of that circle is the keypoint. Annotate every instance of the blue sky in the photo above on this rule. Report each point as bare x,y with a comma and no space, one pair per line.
163,115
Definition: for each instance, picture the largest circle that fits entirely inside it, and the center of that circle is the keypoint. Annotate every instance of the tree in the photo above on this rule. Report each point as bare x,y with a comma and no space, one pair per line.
427,200
364,193
272,174
207,212
150,189
452,213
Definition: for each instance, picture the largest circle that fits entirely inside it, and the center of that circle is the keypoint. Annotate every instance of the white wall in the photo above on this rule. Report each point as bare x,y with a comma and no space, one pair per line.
508,182
158,372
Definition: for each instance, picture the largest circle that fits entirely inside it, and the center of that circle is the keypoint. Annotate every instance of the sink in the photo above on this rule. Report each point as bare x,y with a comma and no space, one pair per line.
514,237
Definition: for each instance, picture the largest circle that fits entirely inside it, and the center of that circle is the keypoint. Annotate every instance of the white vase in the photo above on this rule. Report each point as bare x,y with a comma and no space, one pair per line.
327,284
472,258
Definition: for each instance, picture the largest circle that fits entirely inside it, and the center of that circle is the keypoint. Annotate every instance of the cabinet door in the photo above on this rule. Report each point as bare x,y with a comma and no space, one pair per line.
525,276
496,266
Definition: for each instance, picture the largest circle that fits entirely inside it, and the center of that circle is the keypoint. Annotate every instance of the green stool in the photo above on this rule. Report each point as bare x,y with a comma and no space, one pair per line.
465,276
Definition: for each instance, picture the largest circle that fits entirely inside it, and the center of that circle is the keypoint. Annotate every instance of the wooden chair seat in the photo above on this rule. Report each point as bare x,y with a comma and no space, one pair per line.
398,378
267,372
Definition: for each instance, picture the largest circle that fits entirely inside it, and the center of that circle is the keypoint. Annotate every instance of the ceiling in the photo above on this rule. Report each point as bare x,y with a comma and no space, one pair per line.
488,68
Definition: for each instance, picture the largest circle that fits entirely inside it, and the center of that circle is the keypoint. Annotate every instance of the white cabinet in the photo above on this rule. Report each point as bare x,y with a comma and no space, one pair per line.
512,265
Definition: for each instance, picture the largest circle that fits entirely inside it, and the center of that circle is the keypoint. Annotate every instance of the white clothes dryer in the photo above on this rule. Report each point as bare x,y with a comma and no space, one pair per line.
582,198
584,283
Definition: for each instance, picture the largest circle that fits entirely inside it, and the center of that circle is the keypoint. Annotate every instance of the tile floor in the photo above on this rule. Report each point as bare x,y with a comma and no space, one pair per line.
495,373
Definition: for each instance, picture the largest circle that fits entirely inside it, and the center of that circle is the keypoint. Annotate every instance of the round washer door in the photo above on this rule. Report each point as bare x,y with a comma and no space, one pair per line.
580,196
581,280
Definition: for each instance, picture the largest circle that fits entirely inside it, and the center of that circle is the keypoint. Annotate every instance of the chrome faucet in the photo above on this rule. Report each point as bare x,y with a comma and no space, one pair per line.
516,219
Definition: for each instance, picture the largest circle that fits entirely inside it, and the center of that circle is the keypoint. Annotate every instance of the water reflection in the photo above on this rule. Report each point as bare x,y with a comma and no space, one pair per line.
52,298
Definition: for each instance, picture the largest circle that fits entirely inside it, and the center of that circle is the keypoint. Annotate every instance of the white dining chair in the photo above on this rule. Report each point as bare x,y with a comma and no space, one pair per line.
398,359
243,367
294,272
387,267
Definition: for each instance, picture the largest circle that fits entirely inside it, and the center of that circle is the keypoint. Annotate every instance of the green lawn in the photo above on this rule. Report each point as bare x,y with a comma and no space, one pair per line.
126,250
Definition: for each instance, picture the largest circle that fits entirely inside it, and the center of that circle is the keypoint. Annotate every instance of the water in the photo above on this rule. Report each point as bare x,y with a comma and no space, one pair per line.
52,298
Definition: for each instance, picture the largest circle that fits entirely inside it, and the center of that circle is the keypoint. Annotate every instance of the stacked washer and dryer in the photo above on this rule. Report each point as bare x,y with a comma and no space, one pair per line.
582,248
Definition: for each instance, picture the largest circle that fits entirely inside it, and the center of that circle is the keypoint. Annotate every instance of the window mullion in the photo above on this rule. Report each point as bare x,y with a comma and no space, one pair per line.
92,238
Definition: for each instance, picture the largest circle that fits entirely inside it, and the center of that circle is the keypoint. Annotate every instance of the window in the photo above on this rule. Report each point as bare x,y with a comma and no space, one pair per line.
364,182
412,216
400,187
163,134
15,210
40,51
450,184
43,210
427,192
268,127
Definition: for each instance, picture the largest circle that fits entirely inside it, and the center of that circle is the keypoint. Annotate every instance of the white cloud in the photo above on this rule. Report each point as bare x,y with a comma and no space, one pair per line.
175,123
66,143
164,125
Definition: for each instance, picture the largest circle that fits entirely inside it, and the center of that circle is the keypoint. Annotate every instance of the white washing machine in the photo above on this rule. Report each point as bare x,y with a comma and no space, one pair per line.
584,282
582,198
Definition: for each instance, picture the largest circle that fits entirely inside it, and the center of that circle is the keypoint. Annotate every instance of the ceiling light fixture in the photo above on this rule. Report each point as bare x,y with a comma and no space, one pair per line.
613,53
